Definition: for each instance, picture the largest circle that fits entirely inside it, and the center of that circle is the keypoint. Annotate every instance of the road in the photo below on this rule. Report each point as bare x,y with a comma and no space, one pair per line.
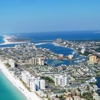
29,70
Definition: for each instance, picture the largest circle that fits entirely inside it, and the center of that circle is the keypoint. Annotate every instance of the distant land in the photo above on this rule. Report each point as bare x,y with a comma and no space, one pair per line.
16,39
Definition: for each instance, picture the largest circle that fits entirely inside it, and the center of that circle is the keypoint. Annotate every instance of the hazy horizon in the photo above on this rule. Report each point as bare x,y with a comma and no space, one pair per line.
22,16
68,31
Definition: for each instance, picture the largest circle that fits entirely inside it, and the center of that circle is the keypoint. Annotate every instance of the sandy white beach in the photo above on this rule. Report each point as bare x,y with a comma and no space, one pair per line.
18,84
7,38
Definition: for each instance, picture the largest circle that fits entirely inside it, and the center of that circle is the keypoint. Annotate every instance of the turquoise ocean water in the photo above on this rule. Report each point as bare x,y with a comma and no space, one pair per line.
8,91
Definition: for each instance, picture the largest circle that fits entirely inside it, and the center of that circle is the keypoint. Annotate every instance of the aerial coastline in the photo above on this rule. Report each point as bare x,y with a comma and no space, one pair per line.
17,83
79,74
12,40
50,50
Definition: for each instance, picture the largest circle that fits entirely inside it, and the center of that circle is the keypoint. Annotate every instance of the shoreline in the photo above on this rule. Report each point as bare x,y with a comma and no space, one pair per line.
18,84
41,43
6,41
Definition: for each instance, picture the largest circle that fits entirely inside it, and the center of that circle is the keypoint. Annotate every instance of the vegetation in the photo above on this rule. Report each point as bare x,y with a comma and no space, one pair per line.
47,79
7,65
78,89
87,96
59,90
62,98
97,49
98,73
63,67
86,53
93,83
25,84
27,65
83,81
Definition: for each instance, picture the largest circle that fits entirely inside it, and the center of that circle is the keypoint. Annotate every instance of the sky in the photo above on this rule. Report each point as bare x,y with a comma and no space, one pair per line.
22,16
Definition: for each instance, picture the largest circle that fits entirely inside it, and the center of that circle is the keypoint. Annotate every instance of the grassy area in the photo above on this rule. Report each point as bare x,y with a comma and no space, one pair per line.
98,73
27,65
47,79
25,84
87,96
93,83
7,65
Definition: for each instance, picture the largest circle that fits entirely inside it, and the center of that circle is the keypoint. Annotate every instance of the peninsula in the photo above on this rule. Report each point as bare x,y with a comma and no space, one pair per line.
28,64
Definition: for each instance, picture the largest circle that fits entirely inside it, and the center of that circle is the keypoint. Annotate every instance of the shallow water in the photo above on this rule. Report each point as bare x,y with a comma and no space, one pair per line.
8,91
